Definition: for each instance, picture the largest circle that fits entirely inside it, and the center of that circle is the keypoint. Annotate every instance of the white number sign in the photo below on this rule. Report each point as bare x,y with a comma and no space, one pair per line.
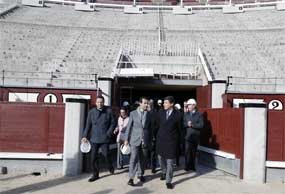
275,105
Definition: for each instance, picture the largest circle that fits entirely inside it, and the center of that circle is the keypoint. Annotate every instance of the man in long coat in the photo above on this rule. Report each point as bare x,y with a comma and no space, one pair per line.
169,128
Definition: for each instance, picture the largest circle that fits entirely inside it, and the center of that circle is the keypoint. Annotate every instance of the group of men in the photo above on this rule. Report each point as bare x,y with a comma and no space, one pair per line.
164,127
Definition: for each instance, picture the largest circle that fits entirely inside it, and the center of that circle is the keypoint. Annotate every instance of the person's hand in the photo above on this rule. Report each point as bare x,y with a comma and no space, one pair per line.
84,140
189,124
126,142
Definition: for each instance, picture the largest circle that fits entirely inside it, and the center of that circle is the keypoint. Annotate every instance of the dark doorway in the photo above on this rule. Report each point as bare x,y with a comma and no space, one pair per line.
132,89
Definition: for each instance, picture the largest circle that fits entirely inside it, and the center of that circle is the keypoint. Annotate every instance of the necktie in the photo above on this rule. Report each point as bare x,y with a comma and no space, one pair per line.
167,114
142,113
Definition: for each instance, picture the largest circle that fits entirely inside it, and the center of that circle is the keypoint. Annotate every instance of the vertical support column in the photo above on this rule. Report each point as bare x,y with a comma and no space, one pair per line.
105,84
73,128
218,89
255,132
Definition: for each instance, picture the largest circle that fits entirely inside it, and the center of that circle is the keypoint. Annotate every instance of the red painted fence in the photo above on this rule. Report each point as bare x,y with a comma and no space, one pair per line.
276,135
31,127
275,123
224,130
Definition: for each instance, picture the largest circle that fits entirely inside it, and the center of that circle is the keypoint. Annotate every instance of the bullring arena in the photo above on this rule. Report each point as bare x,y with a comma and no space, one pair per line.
57,56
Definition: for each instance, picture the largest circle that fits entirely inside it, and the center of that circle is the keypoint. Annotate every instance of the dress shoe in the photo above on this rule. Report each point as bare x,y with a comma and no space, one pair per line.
187,169
93,178
162,177
153,171
131,182
142,179
169,186
112,170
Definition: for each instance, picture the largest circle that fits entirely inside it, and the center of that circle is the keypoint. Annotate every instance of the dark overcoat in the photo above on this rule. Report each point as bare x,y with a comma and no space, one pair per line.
168,134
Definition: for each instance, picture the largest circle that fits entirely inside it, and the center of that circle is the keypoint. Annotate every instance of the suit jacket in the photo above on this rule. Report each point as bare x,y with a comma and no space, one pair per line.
139,128
193,133
168,134
99,125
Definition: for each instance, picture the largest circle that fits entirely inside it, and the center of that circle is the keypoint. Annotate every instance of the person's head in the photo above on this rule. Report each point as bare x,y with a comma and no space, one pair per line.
100,102
143,103
177,106
126,104
191,104
185,108
150,105
123,112
159,103
168,102
185,103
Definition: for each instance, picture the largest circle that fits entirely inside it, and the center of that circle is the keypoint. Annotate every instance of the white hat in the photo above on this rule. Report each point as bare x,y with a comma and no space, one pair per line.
125,149
159,101
177,106
191,101
85,147
126,103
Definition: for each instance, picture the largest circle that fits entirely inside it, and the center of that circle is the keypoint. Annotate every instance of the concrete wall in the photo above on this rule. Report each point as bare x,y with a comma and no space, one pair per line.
73,129
231,166
105,86
218,89
255,131
275,175
24,166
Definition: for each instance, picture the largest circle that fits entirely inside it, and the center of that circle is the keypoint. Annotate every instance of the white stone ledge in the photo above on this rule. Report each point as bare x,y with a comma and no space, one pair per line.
21,155
217,152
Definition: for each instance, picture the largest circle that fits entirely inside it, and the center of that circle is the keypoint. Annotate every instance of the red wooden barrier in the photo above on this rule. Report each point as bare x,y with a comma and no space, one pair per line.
31,127
275,123
276,135
224,130
204,96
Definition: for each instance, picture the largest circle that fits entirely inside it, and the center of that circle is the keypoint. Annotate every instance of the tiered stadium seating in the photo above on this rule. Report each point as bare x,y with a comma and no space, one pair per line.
80,44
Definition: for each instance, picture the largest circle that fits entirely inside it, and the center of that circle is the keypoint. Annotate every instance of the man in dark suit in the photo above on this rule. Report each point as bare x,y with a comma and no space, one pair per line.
170,123
100,125
193,123
154,128
138,135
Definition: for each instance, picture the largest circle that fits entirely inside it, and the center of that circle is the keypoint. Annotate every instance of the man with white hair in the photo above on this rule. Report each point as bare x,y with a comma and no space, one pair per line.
159,104
193,123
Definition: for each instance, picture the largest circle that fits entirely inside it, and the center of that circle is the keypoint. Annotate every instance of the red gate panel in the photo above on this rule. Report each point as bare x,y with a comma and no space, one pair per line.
276,135
224,130
30,127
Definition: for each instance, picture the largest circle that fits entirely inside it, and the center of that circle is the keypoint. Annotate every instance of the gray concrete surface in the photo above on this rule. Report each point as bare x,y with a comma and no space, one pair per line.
205,181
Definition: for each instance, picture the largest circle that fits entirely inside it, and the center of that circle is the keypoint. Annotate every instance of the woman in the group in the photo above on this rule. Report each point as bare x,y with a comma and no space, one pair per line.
120,131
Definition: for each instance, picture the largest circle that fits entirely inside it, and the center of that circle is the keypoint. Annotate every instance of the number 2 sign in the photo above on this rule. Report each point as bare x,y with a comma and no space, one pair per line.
275,105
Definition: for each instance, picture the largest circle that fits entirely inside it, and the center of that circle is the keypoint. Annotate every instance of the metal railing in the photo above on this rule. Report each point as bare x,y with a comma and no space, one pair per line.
157,48
255,84
48,79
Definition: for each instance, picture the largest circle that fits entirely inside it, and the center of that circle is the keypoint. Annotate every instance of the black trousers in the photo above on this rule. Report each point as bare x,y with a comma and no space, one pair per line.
190,154
146,151
95,156
178,151
153,156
